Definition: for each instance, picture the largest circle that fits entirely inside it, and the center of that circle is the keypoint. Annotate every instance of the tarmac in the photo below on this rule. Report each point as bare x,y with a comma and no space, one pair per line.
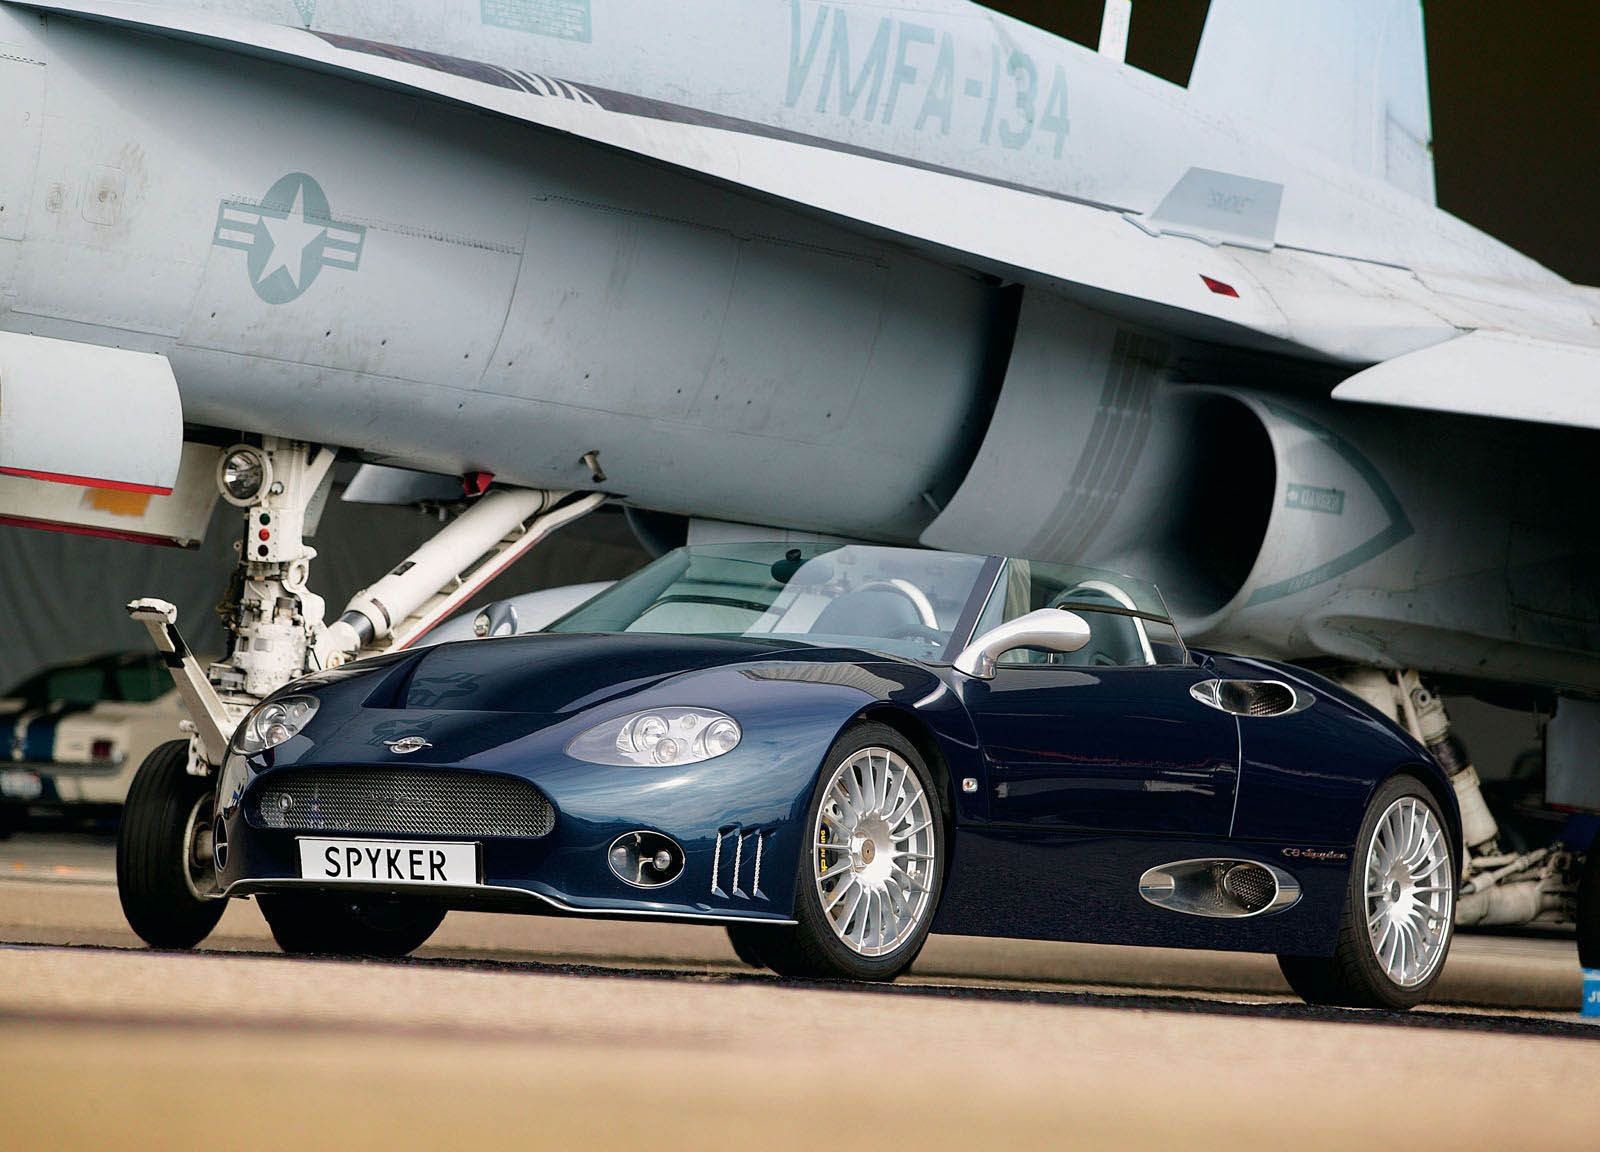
576,1034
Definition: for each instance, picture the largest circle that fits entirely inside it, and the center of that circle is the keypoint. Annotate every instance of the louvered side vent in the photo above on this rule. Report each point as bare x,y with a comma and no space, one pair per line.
737,861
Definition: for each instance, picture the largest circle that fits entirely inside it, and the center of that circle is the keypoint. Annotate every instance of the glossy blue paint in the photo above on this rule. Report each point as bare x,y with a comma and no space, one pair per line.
1060,885
1310,780
1109,749
1085,778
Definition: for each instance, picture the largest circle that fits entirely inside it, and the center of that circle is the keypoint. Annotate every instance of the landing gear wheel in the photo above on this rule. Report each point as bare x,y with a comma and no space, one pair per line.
871,864
164,870
339,925
1589,909
1399,914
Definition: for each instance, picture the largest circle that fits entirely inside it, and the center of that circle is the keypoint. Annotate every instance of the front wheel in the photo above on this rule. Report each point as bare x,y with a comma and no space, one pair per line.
871,864
339,925
1399,915
165,875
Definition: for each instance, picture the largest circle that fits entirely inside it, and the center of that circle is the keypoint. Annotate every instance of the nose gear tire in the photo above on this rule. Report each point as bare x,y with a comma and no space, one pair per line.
158,880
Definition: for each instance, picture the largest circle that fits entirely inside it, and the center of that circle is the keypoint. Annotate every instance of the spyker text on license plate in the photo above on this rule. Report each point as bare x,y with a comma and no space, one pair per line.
388,861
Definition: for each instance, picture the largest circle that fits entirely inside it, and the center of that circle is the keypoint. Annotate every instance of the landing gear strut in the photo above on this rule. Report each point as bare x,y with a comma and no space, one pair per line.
166,858
1497,887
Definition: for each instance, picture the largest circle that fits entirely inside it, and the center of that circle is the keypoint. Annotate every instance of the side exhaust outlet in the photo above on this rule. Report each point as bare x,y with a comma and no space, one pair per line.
1219,888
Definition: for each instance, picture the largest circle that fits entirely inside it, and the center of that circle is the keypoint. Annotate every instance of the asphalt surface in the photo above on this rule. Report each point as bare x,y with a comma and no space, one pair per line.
573,1034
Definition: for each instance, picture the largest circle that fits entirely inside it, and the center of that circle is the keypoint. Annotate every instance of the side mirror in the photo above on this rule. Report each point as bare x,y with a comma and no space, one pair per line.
497,619
1050,629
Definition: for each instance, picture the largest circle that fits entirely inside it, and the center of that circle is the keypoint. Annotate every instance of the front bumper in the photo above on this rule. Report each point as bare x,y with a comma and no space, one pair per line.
739,855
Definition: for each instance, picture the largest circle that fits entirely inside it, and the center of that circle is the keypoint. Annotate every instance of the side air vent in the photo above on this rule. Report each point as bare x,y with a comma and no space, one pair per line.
736,862
1255,698
1219,888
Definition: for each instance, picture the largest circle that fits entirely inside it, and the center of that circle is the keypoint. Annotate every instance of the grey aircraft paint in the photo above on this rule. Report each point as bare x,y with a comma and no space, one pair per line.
344,259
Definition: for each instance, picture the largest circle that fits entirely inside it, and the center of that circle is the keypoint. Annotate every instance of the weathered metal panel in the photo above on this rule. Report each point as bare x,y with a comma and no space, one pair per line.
22,83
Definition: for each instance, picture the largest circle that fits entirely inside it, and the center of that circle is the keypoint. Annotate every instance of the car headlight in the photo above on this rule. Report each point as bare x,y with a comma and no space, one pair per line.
662,736
270,724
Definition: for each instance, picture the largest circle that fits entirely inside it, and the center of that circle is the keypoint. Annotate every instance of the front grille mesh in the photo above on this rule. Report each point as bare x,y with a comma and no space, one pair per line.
416,802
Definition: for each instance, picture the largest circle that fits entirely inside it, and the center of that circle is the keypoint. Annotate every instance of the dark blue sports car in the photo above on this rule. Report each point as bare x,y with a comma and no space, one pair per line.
834,750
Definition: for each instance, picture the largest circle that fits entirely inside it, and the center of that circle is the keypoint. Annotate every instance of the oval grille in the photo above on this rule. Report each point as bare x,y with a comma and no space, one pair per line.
419,802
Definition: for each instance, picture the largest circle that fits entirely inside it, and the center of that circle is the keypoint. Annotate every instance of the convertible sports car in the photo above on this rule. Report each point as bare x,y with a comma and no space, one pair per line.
832,750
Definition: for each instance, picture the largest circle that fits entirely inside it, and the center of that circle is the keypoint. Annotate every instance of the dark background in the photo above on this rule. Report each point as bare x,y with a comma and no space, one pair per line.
1516,96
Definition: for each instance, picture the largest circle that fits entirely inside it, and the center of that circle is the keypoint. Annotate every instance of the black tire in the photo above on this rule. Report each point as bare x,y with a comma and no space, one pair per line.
13,819
156,880
749,942
1353,977
1589,909
810,949
335,924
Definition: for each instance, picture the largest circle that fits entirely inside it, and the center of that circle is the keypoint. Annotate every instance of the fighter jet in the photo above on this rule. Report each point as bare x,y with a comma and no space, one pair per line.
907,272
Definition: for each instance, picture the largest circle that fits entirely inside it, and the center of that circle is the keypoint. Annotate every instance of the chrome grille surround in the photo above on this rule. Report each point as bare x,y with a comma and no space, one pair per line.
408,801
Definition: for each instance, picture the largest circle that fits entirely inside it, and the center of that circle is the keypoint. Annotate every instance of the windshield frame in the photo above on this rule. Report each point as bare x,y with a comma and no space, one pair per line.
1164,617
985,585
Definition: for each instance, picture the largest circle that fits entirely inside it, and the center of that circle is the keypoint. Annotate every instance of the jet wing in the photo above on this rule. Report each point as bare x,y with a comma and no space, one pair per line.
1488,373
1343,310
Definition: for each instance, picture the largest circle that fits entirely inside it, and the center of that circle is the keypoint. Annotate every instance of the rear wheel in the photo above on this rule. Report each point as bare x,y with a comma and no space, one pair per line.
339,925
1399,915
165,874
871,864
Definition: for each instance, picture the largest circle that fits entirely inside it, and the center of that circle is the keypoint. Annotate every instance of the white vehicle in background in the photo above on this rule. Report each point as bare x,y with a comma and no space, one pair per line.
517,614
71,737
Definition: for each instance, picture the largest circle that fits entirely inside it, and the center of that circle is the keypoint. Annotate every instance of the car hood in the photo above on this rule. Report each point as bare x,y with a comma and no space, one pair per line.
558,674
477,695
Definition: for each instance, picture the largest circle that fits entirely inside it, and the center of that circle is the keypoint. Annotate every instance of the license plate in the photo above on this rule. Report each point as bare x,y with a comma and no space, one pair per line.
18,785
388,861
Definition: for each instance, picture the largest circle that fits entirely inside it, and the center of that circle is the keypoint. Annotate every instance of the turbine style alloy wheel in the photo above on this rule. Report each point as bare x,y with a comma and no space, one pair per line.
1399,908
1409,892
870,865
872,852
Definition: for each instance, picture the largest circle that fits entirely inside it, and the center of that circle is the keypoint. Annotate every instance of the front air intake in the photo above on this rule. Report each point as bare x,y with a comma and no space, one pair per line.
398,801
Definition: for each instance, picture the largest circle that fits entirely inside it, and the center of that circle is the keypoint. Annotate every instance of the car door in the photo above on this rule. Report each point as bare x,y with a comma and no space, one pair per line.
1108,739
1106,749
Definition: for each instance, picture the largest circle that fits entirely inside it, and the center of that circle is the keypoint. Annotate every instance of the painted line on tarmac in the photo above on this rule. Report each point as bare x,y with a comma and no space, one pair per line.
56,874
1445,1020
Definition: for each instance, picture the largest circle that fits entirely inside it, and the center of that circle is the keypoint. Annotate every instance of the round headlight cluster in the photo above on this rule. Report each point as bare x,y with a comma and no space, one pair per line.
270,724
661,736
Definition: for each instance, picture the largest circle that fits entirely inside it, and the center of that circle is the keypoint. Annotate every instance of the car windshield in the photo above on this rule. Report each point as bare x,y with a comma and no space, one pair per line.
128,679
906,601
1128,620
